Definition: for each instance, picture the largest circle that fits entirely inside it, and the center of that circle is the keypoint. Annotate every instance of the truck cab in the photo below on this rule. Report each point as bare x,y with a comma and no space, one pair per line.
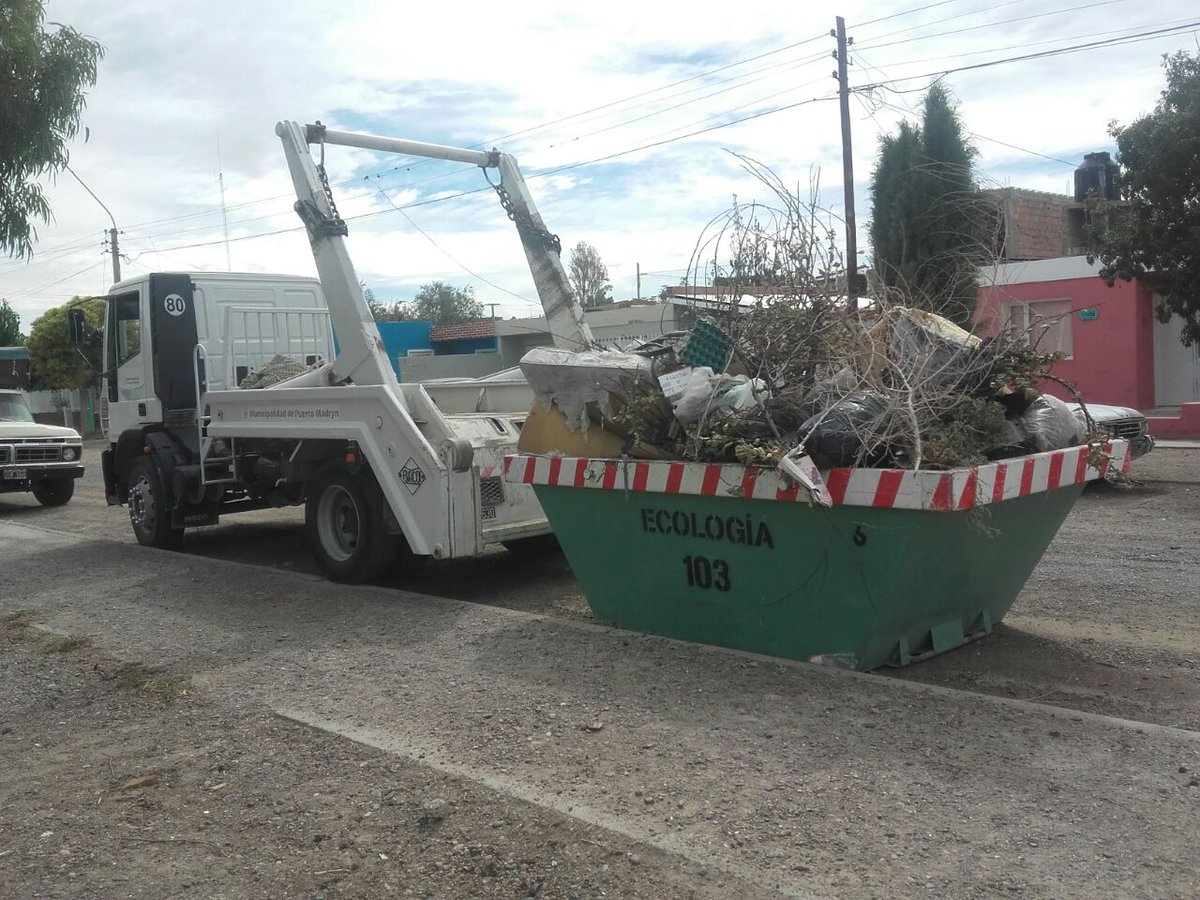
154,323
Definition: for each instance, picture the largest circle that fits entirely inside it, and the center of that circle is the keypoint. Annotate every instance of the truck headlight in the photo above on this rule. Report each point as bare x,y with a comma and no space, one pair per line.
70,453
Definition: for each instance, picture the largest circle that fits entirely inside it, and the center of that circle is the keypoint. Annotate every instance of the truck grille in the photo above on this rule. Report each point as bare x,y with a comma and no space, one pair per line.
5,454
491,491
1126,428
37,454
179,418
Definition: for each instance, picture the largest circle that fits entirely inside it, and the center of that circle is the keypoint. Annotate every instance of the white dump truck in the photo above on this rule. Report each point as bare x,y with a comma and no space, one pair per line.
390,474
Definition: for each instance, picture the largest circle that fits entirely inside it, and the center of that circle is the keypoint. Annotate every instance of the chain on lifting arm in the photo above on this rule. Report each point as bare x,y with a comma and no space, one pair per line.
319,224
521,218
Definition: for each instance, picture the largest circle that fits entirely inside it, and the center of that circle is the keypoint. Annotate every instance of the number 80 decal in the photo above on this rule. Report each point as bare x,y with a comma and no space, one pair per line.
706,573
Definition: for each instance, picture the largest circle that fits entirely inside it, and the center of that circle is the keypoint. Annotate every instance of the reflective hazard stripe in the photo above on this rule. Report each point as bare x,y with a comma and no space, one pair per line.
957,489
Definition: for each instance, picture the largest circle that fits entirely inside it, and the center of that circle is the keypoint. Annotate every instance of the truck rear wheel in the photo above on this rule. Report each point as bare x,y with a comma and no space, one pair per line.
54,491
344,519
148,511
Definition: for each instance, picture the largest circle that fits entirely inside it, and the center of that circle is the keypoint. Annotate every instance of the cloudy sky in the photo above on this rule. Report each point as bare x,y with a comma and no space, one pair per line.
623,116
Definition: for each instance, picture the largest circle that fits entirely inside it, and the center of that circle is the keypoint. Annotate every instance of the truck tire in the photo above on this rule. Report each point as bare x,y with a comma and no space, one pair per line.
54,491
148,512
345,522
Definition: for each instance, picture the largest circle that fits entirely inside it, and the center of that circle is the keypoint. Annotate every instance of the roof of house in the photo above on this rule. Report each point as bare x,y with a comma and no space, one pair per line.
14,353
463,331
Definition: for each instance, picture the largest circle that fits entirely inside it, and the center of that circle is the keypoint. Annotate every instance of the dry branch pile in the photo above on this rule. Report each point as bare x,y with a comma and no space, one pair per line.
778,364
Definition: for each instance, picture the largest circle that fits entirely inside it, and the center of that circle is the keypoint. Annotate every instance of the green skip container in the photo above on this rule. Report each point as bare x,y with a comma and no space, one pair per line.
903,566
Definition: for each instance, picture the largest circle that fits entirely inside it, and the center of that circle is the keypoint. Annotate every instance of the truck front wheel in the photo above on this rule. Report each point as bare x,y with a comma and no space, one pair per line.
344,518
54,491
148,512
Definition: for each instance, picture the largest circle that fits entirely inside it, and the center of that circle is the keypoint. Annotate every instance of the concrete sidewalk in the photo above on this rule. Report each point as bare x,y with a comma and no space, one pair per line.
806,781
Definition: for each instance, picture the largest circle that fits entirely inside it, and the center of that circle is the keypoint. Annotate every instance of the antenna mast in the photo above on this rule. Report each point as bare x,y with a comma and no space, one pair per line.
224,211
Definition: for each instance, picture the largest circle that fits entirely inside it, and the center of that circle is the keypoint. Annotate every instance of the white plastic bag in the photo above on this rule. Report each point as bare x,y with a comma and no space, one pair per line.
1050,425
706,394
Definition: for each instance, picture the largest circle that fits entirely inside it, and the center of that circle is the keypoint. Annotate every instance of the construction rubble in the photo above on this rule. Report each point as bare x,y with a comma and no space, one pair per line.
805,387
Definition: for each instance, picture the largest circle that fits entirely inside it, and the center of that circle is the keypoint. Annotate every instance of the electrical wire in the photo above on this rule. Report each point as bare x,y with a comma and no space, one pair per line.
907,12
1054,40
984,137
37,291
1078,48
450,256
1042,15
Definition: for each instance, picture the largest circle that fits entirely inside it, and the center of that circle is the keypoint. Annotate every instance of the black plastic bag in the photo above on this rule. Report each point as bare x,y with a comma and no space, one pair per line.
849,433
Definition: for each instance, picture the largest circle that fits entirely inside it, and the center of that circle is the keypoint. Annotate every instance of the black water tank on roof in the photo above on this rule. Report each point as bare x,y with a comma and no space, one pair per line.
1098,177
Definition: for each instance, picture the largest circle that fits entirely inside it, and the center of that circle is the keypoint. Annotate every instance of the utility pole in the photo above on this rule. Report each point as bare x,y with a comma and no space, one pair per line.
492,306
116,252
113,246
843,60
639,281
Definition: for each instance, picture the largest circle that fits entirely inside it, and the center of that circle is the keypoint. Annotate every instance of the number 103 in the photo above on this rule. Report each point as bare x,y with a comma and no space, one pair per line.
706,573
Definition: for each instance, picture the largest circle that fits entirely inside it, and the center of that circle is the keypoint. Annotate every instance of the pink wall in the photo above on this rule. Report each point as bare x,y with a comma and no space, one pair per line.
1112,359
1184,426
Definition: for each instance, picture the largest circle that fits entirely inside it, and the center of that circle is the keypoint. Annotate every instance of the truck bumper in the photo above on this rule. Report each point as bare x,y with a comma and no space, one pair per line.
21,478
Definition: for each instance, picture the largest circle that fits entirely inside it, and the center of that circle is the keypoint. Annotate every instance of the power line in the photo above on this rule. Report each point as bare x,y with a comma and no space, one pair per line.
944,19
548,172
1042,15
34,292
681,137
1054,40
984,137
907,12
1077,48
690,78
450,256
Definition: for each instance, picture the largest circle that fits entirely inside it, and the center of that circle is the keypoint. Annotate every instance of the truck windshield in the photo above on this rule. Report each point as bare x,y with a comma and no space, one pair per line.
13,409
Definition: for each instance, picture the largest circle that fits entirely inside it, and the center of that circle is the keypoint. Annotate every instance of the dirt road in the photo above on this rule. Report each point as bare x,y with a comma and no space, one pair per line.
482,759
1109,622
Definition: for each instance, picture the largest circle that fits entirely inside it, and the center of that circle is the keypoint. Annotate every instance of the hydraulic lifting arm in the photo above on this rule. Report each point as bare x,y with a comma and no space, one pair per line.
361,354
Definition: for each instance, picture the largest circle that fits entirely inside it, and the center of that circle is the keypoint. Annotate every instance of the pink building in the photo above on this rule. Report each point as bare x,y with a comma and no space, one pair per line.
1117,351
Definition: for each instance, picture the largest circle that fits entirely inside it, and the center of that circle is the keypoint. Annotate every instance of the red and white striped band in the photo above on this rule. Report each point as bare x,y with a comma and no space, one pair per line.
954,489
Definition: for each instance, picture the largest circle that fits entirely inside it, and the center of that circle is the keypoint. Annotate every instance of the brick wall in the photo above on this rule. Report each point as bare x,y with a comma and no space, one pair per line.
463,331
1035,223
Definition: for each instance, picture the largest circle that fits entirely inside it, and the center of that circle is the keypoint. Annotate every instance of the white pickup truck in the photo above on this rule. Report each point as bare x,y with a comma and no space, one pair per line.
44,459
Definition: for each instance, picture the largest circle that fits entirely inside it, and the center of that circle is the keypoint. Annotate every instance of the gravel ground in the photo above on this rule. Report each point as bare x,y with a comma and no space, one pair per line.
1109,622
709,774
109,791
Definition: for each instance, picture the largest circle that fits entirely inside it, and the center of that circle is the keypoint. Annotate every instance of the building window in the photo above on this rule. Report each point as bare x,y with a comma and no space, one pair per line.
1046,323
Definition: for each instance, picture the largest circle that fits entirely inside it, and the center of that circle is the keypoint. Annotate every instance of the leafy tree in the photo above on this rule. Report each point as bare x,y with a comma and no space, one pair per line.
44,74
382,311
589,276
444,304
1156,228
928,220
396,311
10,326
54,362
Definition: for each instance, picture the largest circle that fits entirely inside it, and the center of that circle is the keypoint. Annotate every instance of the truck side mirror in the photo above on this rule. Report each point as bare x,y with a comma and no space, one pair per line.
76,326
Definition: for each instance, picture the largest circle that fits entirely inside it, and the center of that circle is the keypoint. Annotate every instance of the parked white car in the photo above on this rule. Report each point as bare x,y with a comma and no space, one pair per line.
42,459
1119,422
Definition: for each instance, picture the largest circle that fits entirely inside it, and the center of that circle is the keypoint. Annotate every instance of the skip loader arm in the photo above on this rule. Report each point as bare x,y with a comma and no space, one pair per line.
361,355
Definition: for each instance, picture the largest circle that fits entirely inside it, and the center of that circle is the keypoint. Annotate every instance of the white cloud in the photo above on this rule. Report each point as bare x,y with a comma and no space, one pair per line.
178,74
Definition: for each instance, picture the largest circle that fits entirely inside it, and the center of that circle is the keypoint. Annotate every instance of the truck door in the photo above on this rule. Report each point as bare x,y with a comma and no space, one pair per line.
172,340
129,388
